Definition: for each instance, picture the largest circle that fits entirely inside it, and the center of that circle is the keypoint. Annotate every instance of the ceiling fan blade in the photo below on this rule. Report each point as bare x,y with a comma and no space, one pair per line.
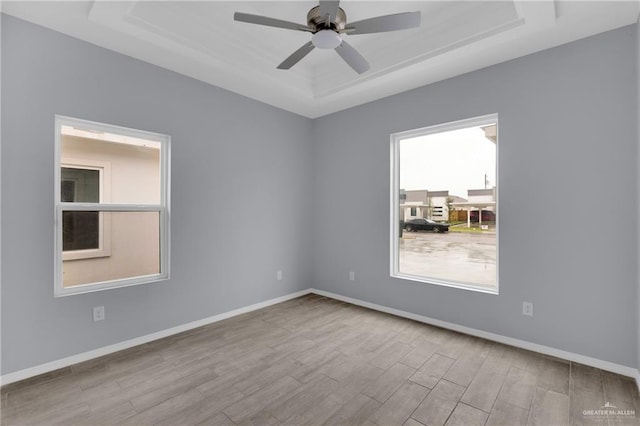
296,56
352,57
329,7
270,22
381,24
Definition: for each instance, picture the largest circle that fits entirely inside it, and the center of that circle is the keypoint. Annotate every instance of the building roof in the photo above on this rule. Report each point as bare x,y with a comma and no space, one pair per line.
476,192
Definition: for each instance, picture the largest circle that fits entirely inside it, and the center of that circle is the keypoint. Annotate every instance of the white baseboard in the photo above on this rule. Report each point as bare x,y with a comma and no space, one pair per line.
106,350
546,350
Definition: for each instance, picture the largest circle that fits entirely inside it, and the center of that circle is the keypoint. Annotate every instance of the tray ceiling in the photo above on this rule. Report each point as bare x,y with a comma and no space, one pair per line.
201,40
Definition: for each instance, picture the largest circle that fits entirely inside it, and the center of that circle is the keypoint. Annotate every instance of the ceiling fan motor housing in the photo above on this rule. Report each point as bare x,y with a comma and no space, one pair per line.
318,22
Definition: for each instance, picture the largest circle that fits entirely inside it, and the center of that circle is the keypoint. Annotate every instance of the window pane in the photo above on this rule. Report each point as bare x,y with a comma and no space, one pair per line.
134,167
135,250
448,207
79,185
80,230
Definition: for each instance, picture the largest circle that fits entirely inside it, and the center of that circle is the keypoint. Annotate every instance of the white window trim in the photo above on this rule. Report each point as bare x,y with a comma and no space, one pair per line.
395,201
163,208
104,237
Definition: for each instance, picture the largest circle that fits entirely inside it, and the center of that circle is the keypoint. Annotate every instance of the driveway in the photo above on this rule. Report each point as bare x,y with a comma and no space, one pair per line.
454,256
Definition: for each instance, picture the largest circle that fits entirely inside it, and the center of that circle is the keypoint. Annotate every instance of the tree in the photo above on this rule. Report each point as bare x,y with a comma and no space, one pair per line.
449,203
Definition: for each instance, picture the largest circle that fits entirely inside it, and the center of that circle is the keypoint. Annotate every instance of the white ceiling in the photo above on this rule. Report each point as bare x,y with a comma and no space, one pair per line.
201,40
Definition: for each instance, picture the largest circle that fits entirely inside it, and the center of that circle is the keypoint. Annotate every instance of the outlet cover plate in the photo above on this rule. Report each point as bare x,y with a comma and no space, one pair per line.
98,313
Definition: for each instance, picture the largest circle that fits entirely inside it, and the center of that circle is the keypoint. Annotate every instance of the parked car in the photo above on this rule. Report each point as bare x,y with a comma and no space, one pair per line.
425,225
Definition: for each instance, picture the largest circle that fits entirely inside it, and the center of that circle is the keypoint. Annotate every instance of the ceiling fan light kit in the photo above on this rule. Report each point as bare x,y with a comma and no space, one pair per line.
327,22
326,39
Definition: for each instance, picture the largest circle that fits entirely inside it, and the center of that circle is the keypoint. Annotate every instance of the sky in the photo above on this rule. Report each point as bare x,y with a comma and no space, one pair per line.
456,161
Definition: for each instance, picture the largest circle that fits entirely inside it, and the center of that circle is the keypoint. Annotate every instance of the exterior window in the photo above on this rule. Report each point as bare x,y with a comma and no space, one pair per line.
413,211
81,229
85,234
450,171
112,206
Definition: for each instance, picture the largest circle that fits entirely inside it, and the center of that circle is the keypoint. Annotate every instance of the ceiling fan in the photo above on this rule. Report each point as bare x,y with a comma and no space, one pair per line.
328,22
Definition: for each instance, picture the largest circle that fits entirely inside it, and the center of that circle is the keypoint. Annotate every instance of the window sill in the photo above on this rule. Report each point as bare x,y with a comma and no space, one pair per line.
434,281
108,285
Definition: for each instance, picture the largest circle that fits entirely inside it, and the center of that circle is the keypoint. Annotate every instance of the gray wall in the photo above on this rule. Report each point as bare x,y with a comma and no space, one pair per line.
567,188
240,182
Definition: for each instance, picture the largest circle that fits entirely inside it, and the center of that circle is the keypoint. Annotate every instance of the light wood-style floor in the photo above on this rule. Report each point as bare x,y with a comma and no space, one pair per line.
314,360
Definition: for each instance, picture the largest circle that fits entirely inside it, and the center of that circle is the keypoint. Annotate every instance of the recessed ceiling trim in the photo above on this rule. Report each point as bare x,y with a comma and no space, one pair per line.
420,58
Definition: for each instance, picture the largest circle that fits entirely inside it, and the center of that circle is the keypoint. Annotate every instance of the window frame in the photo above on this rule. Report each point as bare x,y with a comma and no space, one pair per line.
394,204
163,209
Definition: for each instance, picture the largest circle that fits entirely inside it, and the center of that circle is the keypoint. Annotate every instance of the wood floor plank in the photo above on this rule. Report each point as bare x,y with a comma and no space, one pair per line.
166,408
498,360
484,389
193,414
505,414
317,414
549,408
423,350
216,420
260,379
256,402
355,411
110,414
32,394
105,398
525,360
62,414
309,363
163,390
436,408
289,349
389,353
397,409
467,365
305,397
465,415
621,391
432,371
389,382
359,379
263,418
585,377
411,422
341,366
519,388
553,375
222,398
454,345
583,399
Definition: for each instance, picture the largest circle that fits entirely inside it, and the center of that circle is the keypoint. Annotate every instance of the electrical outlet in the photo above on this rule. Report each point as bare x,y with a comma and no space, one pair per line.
98,313
527,309
279,275
352,276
